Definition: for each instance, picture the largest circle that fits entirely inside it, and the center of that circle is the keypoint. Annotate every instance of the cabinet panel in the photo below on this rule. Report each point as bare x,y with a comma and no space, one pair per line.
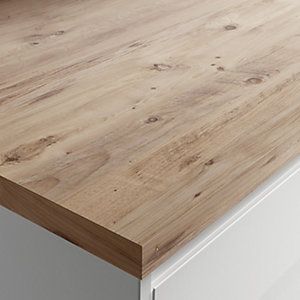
256,258
38,265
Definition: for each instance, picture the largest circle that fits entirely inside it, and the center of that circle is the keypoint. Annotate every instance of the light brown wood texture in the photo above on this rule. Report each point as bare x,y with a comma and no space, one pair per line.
127,127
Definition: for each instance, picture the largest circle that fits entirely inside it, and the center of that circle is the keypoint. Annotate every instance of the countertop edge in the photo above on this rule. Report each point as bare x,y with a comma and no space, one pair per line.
72,227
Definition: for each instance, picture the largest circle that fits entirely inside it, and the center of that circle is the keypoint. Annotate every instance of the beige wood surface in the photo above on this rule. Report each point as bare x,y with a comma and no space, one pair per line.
127,127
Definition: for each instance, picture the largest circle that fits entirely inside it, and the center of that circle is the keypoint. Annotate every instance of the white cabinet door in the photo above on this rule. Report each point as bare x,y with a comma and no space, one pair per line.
256,258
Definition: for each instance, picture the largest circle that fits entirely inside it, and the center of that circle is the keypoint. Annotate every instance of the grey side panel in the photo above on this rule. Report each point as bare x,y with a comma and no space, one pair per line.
37,265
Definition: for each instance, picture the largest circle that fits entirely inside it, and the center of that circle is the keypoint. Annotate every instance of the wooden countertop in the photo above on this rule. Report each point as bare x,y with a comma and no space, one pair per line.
127,127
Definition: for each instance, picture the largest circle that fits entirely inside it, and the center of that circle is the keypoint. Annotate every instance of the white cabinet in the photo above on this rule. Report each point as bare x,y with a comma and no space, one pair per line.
38,265
256,256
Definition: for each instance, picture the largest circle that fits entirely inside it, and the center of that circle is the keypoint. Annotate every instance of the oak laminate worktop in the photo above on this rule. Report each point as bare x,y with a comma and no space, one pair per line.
127,127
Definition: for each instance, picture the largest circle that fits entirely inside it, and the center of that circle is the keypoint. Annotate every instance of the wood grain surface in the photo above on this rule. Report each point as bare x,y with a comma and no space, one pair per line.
127,127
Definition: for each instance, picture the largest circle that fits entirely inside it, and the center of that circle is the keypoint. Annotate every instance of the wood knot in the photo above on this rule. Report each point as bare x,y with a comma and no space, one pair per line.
11,158
34,43
254,80
28,151
49,140
59,32
197,195
188,161
230,27
210,162
161,67
152,119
